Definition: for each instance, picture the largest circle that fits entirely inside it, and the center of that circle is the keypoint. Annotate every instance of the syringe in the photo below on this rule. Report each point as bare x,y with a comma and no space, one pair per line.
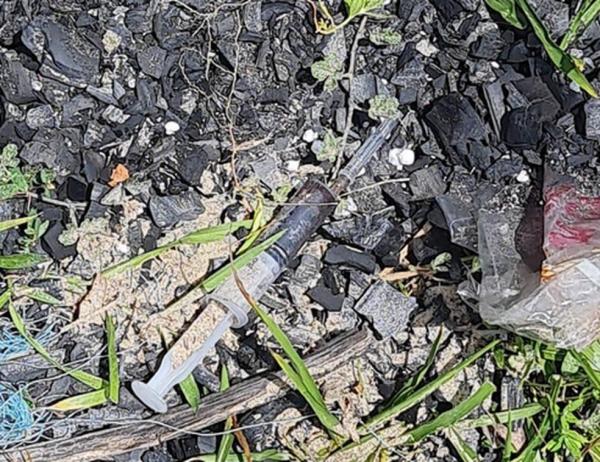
227,307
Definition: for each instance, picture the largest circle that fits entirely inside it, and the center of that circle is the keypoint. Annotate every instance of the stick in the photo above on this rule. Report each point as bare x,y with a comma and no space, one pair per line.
215,408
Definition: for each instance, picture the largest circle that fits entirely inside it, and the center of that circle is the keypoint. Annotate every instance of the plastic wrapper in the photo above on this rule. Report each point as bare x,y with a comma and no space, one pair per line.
559,301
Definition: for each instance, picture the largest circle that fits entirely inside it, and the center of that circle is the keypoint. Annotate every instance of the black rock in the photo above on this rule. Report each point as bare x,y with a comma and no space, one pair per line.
16,81
76,189
340,254
53,247
64,54
167,211
363,231
521,128
427,183
325,297
388,249
152,61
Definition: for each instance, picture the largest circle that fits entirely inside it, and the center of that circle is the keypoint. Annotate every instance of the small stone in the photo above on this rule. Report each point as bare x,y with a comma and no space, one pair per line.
523,176
386,308
340,254
310,135
169,210
152,61
171,127
41,117
292,165
592,119
401,157
111,41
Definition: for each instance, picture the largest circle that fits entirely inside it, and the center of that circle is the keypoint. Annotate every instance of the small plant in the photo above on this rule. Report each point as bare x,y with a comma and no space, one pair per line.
383,106
385,36
35,229
15,179
519,13
324,22
330,149
328,70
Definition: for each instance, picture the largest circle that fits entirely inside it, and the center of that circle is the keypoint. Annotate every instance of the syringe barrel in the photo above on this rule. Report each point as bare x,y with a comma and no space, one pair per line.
255,278
300,218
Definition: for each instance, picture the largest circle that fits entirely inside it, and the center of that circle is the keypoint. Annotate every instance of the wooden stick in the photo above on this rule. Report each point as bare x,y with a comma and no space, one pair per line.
215,408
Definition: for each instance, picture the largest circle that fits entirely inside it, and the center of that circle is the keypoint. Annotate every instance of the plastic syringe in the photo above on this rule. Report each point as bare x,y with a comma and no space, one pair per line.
227,306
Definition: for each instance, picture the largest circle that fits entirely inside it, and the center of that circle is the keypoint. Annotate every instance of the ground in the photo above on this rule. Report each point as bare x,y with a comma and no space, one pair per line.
126,127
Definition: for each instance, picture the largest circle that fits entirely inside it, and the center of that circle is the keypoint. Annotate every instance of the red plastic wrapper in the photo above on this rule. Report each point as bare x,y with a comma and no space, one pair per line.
560,303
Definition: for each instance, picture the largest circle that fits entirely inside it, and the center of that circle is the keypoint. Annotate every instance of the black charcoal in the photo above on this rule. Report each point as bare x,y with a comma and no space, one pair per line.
167,211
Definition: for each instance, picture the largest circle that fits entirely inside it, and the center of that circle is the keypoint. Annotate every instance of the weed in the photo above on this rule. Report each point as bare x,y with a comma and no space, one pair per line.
383,107
35,229
385,36
324,22
330,149
327,70
15,179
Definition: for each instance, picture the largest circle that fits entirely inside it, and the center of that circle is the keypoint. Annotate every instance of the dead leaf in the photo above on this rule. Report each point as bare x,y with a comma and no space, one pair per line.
118,175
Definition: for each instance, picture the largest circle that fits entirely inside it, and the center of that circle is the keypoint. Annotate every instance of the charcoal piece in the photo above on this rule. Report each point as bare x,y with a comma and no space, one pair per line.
388,248
167,211
279,95
364,231
489,46
104,94
592,119
75,110
448,9
366,195
521,128
325,297
252,16
427,183
454,120
65,55
364,87
191,163
505,168
16,81
146,96
53,247
41,117
341,254
494,98
386,308
152,61
50,152
76,189
541,101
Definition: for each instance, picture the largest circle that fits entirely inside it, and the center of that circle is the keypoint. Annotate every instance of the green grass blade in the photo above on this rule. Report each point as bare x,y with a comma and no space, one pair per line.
586,365
20,261
215,279
529,453
84,377
226,440
114,382
426,390
43,297
257,224
584,17
508,447
558,56
503,417
191,391
8,224
464,451
4,298
311,390
200,236
450,417
508,10
84,401
415,381
269,455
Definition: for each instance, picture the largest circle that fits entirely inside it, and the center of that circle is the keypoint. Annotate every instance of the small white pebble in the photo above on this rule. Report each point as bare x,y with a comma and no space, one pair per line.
523,176
292,165
401,157
36,85
310,135
171,127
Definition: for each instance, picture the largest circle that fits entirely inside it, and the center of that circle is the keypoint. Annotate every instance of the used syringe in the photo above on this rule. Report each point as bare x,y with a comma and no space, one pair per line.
227,307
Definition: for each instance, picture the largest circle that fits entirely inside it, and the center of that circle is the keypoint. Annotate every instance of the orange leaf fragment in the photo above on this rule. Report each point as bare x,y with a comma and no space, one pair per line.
118,175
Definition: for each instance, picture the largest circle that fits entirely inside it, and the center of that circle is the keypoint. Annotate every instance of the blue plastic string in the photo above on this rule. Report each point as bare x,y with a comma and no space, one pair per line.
13,344
16,418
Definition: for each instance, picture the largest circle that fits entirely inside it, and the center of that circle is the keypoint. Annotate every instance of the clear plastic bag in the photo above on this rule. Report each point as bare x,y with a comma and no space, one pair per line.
559,304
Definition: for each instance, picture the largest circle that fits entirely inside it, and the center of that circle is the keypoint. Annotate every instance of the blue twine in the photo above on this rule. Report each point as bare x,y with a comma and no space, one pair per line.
13,344
16,418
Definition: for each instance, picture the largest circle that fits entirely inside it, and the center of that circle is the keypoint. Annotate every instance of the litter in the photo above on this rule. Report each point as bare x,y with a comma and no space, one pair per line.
227,307
16,418
559,301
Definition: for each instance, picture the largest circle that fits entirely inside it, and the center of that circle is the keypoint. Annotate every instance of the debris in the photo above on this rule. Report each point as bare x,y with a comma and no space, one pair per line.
16,417
118,175
386,308
167,211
